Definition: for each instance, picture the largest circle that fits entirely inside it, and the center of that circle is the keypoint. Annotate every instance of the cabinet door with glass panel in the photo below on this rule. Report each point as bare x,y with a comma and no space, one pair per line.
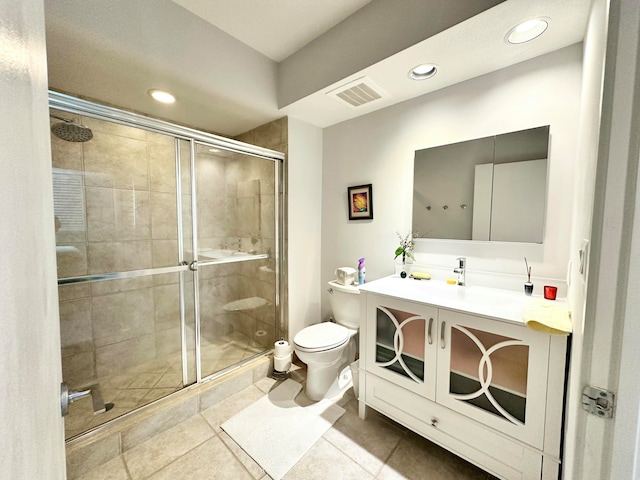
401,343
495,373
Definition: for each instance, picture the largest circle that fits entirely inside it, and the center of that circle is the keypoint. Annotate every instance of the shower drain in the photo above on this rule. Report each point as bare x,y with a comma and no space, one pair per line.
261,333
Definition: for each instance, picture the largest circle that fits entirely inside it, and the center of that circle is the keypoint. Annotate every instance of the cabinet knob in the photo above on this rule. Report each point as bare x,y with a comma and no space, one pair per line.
434,422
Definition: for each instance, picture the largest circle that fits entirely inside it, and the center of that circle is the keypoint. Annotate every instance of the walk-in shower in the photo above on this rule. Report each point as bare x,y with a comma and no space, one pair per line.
168,245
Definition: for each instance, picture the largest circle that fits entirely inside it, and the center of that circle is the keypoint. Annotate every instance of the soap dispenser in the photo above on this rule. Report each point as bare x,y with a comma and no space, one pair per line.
361,271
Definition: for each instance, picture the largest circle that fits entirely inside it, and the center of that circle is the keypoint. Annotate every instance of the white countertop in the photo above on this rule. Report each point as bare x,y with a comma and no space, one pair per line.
504,305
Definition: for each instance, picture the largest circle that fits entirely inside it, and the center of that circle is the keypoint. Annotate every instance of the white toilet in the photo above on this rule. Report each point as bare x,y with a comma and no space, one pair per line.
326,348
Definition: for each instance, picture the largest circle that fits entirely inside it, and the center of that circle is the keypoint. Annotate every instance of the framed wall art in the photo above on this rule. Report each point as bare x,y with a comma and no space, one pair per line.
360,202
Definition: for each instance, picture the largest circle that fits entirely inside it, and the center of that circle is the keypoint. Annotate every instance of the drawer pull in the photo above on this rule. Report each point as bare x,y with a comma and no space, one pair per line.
429,337
434,422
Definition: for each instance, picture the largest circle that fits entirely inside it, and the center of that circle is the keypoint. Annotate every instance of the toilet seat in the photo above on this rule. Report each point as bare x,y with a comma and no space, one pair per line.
320,337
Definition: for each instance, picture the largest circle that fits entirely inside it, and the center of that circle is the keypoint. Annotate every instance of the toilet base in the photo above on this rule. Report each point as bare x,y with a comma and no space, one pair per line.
342,383
335,388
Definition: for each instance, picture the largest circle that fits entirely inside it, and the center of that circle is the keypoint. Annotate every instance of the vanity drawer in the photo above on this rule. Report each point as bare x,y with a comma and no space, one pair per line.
491,451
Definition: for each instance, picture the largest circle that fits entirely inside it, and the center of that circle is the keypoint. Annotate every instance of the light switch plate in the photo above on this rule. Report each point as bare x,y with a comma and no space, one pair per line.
584,256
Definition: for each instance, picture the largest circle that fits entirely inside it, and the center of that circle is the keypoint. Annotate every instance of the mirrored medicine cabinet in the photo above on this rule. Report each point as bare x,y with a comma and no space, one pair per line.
489,189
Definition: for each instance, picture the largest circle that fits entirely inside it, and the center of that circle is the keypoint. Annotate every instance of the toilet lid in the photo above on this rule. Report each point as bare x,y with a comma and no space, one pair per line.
322,336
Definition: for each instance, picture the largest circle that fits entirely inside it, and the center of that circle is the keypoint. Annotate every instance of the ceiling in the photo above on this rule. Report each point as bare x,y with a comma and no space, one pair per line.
467,50
228,61
274,28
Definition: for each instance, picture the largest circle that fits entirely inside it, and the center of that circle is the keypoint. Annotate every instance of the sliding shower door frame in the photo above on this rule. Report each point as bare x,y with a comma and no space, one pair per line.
73,105
197,264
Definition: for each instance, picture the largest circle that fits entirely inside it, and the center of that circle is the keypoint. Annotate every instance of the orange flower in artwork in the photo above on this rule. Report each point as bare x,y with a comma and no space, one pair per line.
360,202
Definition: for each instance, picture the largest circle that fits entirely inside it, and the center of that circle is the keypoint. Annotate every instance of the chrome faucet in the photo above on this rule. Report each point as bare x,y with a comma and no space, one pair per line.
461,271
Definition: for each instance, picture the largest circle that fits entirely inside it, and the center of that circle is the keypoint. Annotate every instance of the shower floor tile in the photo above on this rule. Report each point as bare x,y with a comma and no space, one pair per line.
153,380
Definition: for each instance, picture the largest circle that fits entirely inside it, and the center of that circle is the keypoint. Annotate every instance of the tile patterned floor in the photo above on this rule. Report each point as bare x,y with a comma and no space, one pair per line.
146,383
375,448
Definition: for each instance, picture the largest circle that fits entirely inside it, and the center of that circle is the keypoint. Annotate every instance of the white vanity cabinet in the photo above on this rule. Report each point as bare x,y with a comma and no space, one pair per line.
487,389
401,344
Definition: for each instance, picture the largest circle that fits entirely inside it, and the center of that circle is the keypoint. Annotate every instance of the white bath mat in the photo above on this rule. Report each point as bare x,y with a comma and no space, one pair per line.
276,432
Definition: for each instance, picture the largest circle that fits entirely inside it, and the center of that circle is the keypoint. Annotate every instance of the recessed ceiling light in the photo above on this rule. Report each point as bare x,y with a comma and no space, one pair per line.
422,72
161,96
527,31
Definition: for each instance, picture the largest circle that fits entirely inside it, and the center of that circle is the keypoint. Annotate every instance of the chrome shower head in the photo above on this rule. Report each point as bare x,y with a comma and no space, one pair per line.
70,131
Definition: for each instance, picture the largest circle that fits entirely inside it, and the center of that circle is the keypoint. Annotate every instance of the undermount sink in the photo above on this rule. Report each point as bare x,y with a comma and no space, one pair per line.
465,294
488,296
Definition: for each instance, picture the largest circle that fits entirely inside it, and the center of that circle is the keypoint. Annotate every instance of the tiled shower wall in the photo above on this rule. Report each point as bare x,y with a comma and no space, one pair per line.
275,135
247,226
115,211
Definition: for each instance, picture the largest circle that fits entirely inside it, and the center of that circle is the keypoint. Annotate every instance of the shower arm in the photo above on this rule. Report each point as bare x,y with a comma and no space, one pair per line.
68,120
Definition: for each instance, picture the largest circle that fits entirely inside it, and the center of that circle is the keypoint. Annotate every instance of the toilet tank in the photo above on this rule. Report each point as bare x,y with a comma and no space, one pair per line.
346,304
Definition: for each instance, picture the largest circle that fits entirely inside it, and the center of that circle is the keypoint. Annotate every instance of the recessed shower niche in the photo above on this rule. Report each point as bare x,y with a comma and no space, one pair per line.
144,212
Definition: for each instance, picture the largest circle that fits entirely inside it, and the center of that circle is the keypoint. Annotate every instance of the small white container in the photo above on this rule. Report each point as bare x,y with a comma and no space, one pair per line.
346,275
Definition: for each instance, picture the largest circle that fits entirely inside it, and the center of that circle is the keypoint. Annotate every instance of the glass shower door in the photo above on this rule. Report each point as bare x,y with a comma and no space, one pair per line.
236,207
121,285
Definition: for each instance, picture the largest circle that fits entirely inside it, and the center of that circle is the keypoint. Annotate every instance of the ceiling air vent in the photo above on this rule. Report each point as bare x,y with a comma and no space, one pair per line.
358,92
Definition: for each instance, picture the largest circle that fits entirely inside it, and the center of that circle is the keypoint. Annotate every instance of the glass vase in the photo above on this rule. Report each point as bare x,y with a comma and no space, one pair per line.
401,267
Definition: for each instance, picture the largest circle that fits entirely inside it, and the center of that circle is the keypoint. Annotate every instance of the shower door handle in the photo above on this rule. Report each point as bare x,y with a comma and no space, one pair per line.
193,266
69,396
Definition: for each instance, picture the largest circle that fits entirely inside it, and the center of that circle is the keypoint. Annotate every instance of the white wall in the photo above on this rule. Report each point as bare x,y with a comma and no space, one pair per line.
378,148
593,71
609,448
304,171
32,439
